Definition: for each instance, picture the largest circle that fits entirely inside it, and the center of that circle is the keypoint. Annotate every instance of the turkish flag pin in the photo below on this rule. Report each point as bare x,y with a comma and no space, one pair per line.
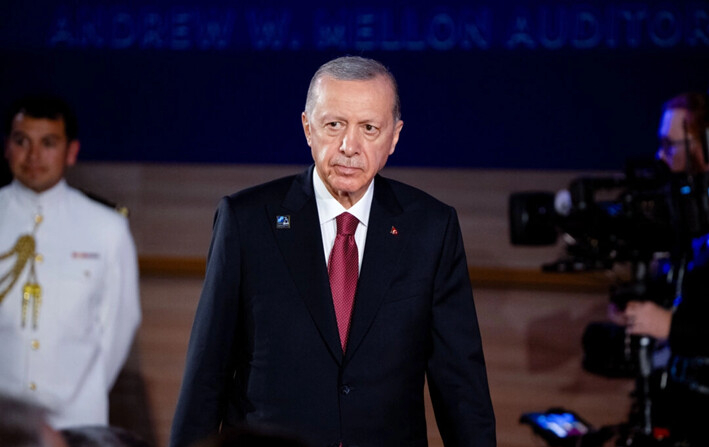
394,231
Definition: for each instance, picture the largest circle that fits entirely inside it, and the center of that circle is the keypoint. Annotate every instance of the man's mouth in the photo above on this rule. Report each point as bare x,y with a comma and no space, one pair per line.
33,170
346,170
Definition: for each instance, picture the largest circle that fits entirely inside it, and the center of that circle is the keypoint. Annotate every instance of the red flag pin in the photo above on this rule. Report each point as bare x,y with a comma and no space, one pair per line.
394,231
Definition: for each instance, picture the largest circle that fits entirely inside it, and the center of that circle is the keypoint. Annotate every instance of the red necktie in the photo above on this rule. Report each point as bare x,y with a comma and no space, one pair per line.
343,270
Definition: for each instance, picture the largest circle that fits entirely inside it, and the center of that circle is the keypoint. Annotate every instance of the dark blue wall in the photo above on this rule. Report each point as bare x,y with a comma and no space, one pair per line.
491,84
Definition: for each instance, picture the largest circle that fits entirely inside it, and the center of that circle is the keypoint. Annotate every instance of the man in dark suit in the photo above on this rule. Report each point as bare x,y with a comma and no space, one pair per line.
328,332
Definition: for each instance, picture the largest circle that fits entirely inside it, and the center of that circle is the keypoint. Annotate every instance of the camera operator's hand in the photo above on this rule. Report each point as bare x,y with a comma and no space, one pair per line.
617,315
647,318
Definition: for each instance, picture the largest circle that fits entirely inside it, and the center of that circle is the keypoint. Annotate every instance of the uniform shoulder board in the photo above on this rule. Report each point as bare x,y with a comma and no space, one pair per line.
121,209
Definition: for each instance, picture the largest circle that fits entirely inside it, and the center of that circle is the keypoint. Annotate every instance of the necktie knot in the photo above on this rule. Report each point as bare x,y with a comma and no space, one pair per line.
346,224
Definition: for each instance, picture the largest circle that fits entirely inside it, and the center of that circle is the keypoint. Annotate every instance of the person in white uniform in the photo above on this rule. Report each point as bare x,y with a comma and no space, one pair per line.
69,300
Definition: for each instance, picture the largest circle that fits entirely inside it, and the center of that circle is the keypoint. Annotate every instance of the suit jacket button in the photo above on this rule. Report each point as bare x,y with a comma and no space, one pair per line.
345,389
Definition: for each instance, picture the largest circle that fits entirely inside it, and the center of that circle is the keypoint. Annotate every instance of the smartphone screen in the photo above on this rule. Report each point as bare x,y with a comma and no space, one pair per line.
563,424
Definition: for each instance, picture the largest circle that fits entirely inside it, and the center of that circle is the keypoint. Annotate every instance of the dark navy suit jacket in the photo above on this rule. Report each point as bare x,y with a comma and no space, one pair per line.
265,349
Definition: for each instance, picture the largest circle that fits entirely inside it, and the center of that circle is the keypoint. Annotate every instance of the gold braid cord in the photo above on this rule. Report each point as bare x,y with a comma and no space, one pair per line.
24,250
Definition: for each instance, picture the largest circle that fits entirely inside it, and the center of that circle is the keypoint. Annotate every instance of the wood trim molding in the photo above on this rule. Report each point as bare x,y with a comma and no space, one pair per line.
487,277
511,278
172,266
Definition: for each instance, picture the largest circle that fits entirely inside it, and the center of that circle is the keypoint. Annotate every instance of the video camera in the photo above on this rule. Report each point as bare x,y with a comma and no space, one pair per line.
644,218
653,211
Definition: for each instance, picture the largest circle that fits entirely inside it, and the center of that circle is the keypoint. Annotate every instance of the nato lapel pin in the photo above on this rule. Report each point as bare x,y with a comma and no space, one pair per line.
283,222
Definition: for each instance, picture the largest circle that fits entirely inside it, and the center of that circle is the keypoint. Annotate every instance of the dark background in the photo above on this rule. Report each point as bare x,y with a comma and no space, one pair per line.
582,89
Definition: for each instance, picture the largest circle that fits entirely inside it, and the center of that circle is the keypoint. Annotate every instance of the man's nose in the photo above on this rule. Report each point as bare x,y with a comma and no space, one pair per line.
351,142
661,155
32,151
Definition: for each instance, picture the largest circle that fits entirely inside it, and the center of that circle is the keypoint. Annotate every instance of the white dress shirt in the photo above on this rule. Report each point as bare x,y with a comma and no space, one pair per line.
329,208
86,267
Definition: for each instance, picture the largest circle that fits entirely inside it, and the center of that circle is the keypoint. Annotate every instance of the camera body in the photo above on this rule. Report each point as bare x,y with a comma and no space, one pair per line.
653,211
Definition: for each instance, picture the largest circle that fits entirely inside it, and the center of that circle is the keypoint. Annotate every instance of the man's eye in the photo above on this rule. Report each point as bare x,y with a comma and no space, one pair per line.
19,140
49,142
370,129
334,125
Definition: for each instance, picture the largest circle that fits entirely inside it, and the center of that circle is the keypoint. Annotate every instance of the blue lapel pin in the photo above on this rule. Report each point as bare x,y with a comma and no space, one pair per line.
283,222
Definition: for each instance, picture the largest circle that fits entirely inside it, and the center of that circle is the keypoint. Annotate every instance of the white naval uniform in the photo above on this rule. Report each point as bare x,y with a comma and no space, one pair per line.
86,266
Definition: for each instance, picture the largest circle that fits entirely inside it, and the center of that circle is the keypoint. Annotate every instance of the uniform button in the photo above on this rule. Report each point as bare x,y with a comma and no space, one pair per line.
35,344
38,218
345,389
87,273
33,386
39,258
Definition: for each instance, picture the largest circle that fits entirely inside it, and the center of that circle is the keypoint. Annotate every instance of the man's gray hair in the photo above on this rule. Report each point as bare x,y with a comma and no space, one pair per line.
353,68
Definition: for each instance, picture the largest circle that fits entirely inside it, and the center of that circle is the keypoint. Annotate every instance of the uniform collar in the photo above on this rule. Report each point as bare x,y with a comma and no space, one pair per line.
329,208
43,199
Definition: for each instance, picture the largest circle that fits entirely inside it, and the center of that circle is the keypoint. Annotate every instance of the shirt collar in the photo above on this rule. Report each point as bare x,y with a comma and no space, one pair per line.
38,199
329,208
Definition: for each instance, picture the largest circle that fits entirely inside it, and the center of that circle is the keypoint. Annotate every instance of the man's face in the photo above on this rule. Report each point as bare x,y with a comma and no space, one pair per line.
351,133
38,152
674,140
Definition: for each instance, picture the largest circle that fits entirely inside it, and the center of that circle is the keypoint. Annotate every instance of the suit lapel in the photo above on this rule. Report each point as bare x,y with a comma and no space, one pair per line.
301,246
386,236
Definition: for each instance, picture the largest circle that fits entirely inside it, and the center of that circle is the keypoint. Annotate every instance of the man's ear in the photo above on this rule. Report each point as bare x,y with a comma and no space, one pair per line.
72,152
306,127
397,130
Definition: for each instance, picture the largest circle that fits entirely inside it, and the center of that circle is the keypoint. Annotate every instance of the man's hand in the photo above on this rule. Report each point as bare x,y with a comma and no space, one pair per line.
647,318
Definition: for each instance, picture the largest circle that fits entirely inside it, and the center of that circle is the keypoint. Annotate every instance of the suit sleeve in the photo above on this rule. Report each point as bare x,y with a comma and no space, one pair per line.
120,313
209,367
456,374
